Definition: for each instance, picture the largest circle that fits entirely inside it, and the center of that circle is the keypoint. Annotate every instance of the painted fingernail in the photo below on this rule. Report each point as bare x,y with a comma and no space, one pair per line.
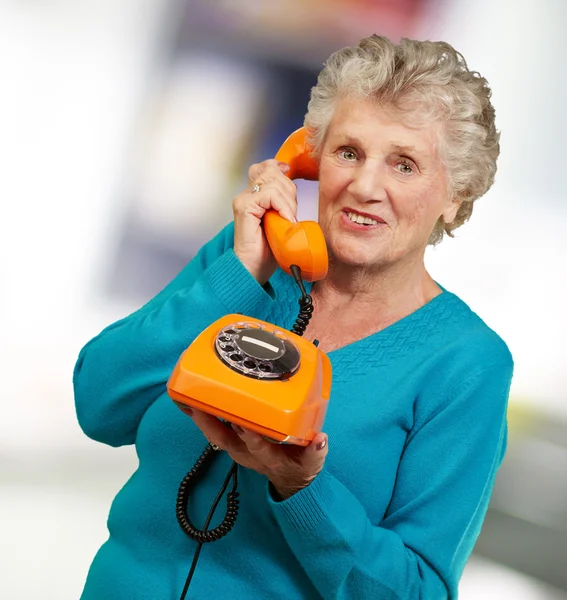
238,429
321,445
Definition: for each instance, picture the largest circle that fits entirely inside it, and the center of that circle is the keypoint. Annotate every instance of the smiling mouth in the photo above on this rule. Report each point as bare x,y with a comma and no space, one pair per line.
363,219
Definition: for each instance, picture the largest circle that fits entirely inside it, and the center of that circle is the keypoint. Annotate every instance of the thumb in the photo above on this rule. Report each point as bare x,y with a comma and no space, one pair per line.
318,448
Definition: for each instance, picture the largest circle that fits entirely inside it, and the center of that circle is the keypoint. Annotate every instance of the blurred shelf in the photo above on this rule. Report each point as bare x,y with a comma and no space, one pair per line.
536,550
526,524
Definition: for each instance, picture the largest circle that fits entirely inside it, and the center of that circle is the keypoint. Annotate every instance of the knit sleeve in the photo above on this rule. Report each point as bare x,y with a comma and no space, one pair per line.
444,482
121,371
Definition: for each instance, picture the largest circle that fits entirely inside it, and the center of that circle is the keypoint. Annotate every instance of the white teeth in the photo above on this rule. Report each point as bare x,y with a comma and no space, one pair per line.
360,219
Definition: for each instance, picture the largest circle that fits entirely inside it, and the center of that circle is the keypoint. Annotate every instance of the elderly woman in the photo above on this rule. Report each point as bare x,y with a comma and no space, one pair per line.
388,501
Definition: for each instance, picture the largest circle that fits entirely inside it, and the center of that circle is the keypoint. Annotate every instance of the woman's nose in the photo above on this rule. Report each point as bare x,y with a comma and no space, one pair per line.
368,183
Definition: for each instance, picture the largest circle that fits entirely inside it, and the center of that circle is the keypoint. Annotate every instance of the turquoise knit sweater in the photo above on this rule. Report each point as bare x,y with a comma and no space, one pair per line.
416,426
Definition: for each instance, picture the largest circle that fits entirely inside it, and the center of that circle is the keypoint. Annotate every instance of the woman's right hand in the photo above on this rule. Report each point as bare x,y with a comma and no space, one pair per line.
276,192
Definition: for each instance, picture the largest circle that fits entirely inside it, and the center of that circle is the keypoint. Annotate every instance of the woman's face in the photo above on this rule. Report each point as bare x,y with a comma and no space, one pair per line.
374,166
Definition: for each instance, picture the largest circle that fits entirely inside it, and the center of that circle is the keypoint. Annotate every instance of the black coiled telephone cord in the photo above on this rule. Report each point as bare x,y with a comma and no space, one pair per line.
203,536
305,304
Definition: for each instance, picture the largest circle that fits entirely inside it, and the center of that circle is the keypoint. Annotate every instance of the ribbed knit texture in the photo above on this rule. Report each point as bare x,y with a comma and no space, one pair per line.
417,431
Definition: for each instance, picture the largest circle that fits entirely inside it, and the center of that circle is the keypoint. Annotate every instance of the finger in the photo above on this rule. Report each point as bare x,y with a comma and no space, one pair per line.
270,197
285,185
259,170
257,206
264,452
215,432
186,409
286,190
255,442
284,208
266,170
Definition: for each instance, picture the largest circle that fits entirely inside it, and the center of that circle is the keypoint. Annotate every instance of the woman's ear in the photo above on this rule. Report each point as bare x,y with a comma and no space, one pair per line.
451,211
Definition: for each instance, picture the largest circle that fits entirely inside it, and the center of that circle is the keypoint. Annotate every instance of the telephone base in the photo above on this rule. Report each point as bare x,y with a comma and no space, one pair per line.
288,409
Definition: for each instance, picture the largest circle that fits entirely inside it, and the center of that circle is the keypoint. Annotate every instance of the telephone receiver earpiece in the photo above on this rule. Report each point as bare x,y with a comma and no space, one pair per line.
296,152
303,243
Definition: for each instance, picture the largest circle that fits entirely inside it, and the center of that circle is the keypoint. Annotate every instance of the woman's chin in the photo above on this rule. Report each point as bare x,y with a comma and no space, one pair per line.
354,257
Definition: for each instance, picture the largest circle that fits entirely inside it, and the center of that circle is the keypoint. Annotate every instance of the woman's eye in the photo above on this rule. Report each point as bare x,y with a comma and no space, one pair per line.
347,155
405,167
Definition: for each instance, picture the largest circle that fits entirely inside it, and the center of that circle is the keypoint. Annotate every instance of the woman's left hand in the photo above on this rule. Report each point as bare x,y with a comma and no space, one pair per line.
289,468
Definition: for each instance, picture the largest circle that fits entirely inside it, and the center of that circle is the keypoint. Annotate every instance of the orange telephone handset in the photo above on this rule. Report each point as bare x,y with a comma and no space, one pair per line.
253,373
302,243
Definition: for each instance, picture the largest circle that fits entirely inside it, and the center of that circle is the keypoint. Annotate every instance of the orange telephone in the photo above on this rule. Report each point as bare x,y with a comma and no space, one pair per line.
253,373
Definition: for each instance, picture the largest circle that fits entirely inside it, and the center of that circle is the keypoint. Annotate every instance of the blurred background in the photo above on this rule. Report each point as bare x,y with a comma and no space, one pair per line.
126,128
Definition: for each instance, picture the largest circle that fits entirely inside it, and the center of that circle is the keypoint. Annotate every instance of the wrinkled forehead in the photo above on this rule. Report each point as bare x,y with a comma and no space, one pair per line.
410,122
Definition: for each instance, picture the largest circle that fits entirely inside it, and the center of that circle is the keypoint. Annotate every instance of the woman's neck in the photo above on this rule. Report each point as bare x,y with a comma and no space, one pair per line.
392,290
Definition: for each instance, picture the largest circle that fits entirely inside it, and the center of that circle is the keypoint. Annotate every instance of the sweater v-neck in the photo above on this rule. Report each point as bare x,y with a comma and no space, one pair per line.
419,322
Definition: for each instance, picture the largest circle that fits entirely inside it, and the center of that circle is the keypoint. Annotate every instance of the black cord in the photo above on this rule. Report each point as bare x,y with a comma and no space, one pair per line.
232,474
203,536
305,304
189,481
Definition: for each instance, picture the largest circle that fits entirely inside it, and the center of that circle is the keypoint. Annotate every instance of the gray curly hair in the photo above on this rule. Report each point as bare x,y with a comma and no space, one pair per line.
422,80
